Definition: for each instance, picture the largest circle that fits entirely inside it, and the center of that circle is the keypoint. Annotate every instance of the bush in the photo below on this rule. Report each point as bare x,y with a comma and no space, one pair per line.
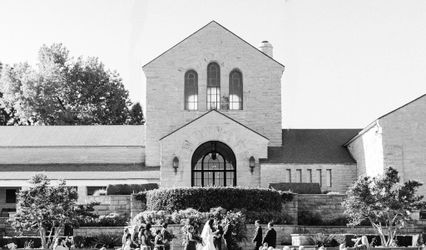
331,240
107,240
298,188
84,242
205,198
98,241
110,220
154,218
141,196
308,218
267,216
125,189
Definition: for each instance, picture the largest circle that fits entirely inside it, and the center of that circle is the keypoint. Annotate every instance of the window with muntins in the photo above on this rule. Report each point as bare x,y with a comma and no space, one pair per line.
235,90
191,90
213,86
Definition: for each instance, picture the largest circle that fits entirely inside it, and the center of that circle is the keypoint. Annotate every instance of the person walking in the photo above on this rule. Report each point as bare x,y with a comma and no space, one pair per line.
257,239
167,236
271,236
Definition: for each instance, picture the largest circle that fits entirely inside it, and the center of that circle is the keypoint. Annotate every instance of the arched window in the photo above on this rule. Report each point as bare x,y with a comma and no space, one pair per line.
191,90
235,90
214,164
213,86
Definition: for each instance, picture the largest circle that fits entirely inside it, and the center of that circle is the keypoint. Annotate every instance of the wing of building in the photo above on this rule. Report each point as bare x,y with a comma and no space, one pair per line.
213,111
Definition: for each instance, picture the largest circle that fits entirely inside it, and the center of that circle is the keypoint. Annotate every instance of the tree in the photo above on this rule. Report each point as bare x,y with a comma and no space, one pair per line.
136,115
384,202
65,91
45,208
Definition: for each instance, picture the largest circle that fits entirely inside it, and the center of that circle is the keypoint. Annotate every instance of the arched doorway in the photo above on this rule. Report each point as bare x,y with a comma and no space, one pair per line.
213,164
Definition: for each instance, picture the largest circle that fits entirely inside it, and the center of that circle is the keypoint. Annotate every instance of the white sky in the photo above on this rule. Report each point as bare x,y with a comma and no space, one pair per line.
347,62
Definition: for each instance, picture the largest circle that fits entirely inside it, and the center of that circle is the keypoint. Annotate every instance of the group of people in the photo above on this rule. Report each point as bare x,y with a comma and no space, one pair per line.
142,238
269,241
213,236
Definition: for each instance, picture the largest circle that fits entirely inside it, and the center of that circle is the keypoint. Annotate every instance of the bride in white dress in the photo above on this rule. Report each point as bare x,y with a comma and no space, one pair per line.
207,235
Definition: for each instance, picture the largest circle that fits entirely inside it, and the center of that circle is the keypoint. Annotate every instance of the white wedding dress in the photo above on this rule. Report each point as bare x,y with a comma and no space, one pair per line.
207,236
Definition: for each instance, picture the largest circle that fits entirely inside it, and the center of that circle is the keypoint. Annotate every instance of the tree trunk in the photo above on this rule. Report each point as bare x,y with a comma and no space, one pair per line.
56,235
42,233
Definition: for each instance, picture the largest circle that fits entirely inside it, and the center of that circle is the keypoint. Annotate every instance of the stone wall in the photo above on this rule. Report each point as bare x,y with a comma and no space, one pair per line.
328,207
111,204
342,175
404,144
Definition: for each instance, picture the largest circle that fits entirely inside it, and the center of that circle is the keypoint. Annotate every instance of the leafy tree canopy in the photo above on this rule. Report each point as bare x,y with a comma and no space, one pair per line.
384,202
45,208
62,90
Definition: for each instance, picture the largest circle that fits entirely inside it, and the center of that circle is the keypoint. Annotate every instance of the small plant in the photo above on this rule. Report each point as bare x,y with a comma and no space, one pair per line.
324,240
107,240
11,246
29,244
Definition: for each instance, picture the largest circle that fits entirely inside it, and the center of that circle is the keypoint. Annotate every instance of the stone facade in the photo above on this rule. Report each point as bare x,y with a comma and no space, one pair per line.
404,143
342,175
213,43
367,149
214,126
395,140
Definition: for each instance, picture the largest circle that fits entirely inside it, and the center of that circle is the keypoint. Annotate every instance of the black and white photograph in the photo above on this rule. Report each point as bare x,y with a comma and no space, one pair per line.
213,124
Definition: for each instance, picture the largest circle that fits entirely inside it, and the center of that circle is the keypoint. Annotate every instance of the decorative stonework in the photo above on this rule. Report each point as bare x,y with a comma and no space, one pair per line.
213,126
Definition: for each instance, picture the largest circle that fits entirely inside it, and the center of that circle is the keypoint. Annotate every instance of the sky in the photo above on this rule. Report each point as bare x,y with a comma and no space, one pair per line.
347,62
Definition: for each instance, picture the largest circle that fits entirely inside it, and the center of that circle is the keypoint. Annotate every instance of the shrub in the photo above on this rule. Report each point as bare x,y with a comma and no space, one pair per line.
298,188
309,219
84,241
205,198
125,189
141,196
112,219
107,240
267,216
154,218
331,240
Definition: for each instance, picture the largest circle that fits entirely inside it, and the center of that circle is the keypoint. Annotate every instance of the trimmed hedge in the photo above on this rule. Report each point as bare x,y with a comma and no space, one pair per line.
125,189
298,188
205,198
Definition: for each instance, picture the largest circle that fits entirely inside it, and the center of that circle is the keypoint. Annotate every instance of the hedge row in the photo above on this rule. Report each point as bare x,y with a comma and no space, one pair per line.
125,189
205,198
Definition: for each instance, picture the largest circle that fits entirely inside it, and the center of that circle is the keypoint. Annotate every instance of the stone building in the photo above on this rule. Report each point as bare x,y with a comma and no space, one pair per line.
213,118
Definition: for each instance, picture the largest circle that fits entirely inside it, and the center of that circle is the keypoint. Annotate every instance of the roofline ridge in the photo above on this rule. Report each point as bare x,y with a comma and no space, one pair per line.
199,117
375,121
213,21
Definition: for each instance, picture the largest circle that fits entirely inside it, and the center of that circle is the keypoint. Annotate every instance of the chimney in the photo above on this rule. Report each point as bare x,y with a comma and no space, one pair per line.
266,48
